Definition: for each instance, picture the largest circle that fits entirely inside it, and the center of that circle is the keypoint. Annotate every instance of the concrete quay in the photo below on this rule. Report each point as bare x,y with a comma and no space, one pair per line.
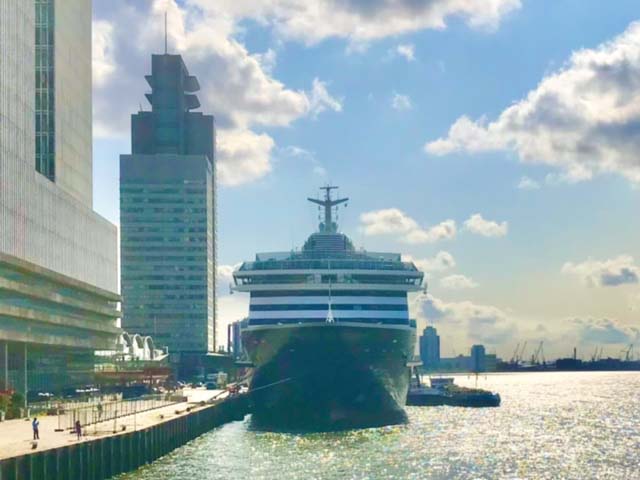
101,454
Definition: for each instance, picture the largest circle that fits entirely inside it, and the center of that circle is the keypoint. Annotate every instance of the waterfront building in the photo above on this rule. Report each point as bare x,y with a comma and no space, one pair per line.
491,362
478,359
58,258
167,216
430,348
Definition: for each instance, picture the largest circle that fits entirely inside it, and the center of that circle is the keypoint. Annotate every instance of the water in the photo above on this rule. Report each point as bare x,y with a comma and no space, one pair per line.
550,426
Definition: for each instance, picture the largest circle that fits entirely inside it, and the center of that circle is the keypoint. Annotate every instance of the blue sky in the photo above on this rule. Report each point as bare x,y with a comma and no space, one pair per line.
524,114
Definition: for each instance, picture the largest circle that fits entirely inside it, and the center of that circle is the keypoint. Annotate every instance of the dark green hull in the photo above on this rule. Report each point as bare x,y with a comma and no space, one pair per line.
329,376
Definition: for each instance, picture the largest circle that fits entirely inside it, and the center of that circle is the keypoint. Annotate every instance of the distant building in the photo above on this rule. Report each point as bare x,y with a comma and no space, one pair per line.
234,338
167,205
430,348
491,362
58,258
461,363
478,359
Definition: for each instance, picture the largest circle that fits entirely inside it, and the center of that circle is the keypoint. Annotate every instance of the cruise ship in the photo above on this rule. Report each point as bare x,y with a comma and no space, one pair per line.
329,333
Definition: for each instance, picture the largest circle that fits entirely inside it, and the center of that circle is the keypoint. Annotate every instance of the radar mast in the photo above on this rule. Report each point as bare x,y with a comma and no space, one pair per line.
328,226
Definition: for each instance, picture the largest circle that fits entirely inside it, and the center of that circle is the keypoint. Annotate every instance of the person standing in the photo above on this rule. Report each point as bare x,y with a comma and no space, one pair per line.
78,429
35,424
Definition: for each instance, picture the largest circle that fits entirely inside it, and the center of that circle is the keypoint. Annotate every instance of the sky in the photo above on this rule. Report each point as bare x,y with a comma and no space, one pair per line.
493,142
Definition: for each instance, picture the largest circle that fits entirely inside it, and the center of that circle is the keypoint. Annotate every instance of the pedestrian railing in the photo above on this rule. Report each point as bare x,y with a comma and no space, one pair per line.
53,405
103,412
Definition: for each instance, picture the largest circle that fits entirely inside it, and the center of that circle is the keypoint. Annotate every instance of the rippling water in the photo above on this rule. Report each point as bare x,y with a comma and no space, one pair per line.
550,426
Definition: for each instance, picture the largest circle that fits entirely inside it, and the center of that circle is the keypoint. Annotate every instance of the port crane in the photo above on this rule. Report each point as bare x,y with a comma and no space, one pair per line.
514,357
518,354
597,355
521,356
628,353
538,355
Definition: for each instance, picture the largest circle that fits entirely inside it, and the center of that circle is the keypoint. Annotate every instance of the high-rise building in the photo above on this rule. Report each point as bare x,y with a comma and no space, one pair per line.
58,258
430,348
167,215
478,359
234,338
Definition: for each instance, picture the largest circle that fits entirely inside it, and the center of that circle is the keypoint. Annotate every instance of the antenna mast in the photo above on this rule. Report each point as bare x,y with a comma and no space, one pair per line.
329,226
165,32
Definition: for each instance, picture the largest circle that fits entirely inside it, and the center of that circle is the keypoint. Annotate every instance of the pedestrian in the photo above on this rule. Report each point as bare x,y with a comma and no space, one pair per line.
78,429
35,424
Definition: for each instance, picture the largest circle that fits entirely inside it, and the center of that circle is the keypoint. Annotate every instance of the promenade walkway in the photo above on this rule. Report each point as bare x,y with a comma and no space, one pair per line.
16,435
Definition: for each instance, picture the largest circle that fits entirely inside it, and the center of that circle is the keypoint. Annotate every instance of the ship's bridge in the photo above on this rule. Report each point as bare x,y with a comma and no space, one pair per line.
297,270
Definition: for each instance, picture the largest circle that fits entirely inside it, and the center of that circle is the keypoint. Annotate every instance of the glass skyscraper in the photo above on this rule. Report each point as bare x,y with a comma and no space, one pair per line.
167,215
58,258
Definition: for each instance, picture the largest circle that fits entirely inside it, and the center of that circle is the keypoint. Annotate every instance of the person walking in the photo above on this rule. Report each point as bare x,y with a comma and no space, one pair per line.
78,429
35,424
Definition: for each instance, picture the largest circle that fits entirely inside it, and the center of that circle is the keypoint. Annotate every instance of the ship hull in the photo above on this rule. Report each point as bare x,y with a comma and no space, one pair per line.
325,377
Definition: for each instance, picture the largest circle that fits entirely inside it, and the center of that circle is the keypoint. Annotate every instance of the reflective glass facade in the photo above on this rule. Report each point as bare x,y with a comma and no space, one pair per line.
58,258
45,88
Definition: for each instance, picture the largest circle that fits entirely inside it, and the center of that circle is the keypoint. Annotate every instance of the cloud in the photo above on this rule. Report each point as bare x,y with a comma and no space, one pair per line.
392,221
224,275
620,270
103,63
634,302
400,102
293,151
267,60
487,228
406,50
440,262
604,331
361,21
457,282
583,119
320,99
527,183
479,323
238,86
243,156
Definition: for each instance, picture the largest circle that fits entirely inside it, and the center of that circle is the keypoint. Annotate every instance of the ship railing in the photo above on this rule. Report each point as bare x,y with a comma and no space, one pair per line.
327,265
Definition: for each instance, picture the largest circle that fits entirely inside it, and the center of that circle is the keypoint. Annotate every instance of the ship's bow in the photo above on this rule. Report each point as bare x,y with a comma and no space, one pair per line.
329,376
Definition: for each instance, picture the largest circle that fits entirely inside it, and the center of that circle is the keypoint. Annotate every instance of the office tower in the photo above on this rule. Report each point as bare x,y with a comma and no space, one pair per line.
58,258
430,348
167,215
478,358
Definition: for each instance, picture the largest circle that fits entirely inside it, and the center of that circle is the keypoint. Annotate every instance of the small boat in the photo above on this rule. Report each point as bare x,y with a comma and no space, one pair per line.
443,391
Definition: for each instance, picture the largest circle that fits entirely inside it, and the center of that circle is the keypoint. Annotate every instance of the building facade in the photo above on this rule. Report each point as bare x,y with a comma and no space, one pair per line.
167,215
430,348
234,338
478,359
58,258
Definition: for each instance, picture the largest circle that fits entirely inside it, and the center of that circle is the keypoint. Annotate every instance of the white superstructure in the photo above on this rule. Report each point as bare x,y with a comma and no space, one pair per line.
328,278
